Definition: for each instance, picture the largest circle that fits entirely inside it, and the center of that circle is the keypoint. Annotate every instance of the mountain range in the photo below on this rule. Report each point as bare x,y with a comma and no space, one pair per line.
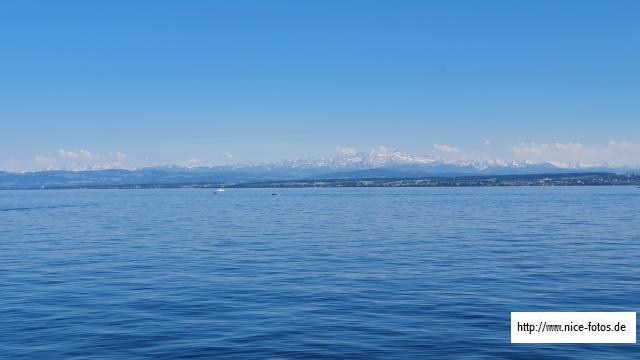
381,164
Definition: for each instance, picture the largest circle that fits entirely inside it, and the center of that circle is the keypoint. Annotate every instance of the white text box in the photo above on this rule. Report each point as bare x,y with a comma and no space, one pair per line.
573,327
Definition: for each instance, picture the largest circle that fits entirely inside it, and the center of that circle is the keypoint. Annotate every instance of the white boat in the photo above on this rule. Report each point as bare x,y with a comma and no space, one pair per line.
221,190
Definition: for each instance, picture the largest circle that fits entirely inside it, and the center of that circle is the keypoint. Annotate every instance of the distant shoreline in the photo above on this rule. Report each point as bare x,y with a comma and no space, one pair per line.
568,179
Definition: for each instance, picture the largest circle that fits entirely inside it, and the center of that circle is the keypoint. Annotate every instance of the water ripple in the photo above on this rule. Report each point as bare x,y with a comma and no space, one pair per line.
312,274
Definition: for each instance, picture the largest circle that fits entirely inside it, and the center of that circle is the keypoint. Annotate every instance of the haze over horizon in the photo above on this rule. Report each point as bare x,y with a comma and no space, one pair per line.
203,83
563,156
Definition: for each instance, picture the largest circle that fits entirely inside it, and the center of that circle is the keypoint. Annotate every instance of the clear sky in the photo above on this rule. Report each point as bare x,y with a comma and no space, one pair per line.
218,82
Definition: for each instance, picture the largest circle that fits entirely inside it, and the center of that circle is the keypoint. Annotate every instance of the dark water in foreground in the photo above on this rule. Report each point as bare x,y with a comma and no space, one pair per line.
314,273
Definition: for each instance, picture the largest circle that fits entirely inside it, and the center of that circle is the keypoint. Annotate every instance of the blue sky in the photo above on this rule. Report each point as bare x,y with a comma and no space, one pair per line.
135,83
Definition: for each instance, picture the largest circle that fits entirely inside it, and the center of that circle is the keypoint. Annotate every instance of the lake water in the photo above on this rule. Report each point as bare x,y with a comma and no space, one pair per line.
314,273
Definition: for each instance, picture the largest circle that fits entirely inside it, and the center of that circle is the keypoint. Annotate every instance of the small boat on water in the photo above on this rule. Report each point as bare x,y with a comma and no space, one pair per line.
275,194
220,190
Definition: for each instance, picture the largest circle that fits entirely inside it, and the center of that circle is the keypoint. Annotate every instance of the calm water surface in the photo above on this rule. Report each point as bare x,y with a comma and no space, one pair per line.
314,273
